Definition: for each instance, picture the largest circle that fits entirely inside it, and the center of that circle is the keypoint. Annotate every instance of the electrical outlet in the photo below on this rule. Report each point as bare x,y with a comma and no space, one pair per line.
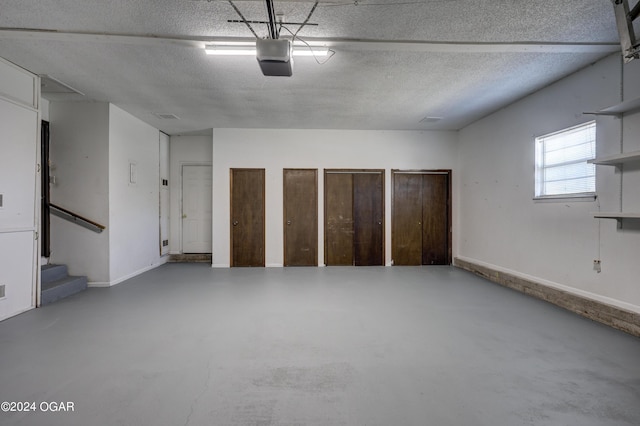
596,265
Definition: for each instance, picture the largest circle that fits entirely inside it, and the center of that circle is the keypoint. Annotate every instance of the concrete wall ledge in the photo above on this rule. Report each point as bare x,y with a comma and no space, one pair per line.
604,313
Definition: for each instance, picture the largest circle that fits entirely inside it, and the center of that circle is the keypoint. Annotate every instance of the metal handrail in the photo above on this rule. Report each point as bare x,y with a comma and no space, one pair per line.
76,218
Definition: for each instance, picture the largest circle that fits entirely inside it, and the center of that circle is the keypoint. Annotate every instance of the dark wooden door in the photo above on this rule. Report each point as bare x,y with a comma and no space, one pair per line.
45,218
247,217
421,223
435,218
368,215
300,217
406,228
338,218
354,217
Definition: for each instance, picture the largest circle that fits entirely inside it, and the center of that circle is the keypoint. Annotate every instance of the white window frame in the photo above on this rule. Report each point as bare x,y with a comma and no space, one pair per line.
540,167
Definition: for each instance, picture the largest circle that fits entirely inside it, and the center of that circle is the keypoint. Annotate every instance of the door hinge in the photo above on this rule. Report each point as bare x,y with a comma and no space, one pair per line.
36,235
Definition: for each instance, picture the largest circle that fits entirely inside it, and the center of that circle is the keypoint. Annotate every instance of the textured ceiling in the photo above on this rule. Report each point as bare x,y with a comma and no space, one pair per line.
395,63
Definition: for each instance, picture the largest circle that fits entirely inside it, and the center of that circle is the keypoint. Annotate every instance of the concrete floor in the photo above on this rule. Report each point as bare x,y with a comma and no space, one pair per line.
185,344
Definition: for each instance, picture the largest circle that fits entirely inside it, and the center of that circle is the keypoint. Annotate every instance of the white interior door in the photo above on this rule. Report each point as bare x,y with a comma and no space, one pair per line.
196,209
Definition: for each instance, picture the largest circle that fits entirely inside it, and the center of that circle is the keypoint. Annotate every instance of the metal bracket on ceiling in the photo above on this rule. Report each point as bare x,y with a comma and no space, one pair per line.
239,21
624,21
274,33
274,20
243,18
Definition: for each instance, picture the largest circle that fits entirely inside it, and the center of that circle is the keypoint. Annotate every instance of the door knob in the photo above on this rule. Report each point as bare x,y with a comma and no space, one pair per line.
288,222
184,216
235,223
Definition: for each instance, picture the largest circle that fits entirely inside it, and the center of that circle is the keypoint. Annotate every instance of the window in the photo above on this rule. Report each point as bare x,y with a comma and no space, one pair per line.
561,162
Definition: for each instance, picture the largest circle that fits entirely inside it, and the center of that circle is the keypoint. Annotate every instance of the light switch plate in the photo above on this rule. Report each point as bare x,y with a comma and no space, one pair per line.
133,173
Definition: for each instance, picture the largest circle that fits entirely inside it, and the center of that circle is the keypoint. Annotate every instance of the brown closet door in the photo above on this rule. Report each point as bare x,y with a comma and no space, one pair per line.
435,217
247,217
338,218
407,219
300,217
368,211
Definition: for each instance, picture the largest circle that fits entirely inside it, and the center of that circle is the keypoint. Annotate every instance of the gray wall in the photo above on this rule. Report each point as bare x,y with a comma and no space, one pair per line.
554,243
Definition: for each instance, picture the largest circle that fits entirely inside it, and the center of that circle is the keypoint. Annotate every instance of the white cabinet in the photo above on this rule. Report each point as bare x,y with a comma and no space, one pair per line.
18,166
19,85
19,188
17,277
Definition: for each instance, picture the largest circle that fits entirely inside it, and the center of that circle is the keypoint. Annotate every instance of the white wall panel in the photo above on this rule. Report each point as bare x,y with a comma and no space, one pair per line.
79,153
93,146
134,211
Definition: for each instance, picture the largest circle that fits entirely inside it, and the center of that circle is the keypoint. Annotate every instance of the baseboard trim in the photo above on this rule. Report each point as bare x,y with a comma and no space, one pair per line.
98,284
613,316
102,284
190,258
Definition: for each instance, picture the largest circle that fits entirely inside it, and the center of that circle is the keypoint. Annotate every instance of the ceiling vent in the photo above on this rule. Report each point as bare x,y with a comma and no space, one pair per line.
165,116
50,85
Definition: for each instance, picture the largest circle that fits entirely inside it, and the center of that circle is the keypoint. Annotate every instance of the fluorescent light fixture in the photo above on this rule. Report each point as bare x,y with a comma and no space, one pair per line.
234,50
245,49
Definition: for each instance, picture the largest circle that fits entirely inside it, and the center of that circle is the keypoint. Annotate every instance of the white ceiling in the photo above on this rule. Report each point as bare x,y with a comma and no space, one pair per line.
396,62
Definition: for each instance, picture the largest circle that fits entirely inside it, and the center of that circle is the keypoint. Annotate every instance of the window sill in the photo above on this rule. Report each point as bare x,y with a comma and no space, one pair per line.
566,198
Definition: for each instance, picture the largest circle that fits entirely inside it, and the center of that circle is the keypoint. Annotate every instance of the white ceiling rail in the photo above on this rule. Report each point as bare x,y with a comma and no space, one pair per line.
470,47
340,43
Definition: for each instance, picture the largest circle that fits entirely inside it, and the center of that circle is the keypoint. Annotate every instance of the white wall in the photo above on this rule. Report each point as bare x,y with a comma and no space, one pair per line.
92,147
554,243
164,191
274,150
44,109
19,178
79,154
134,207
183,150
